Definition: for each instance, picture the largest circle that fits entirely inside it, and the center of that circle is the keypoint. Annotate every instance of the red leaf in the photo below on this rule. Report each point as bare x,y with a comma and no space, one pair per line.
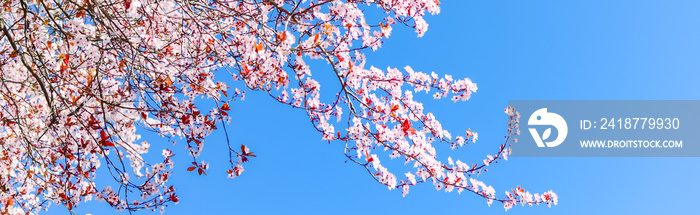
225,107
190,169
103,135
405,126
107,143
104,138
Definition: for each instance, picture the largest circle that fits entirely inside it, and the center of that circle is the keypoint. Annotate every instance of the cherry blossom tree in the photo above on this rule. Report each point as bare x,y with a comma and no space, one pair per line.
79,77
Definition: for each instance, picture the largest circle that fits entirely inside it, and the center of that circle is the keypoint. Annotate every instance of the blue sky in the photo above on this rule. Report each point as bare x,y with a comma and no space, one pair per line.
513,50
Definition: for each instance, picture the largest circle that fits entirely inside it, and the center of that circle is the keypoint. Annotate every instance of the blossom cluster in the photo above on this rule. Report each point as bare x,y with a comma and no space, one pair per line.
80,77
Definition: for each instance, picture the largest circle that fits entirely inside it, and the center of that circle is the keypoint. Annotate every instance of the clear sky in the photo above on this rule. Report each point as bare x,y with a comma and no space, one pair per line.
513,50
